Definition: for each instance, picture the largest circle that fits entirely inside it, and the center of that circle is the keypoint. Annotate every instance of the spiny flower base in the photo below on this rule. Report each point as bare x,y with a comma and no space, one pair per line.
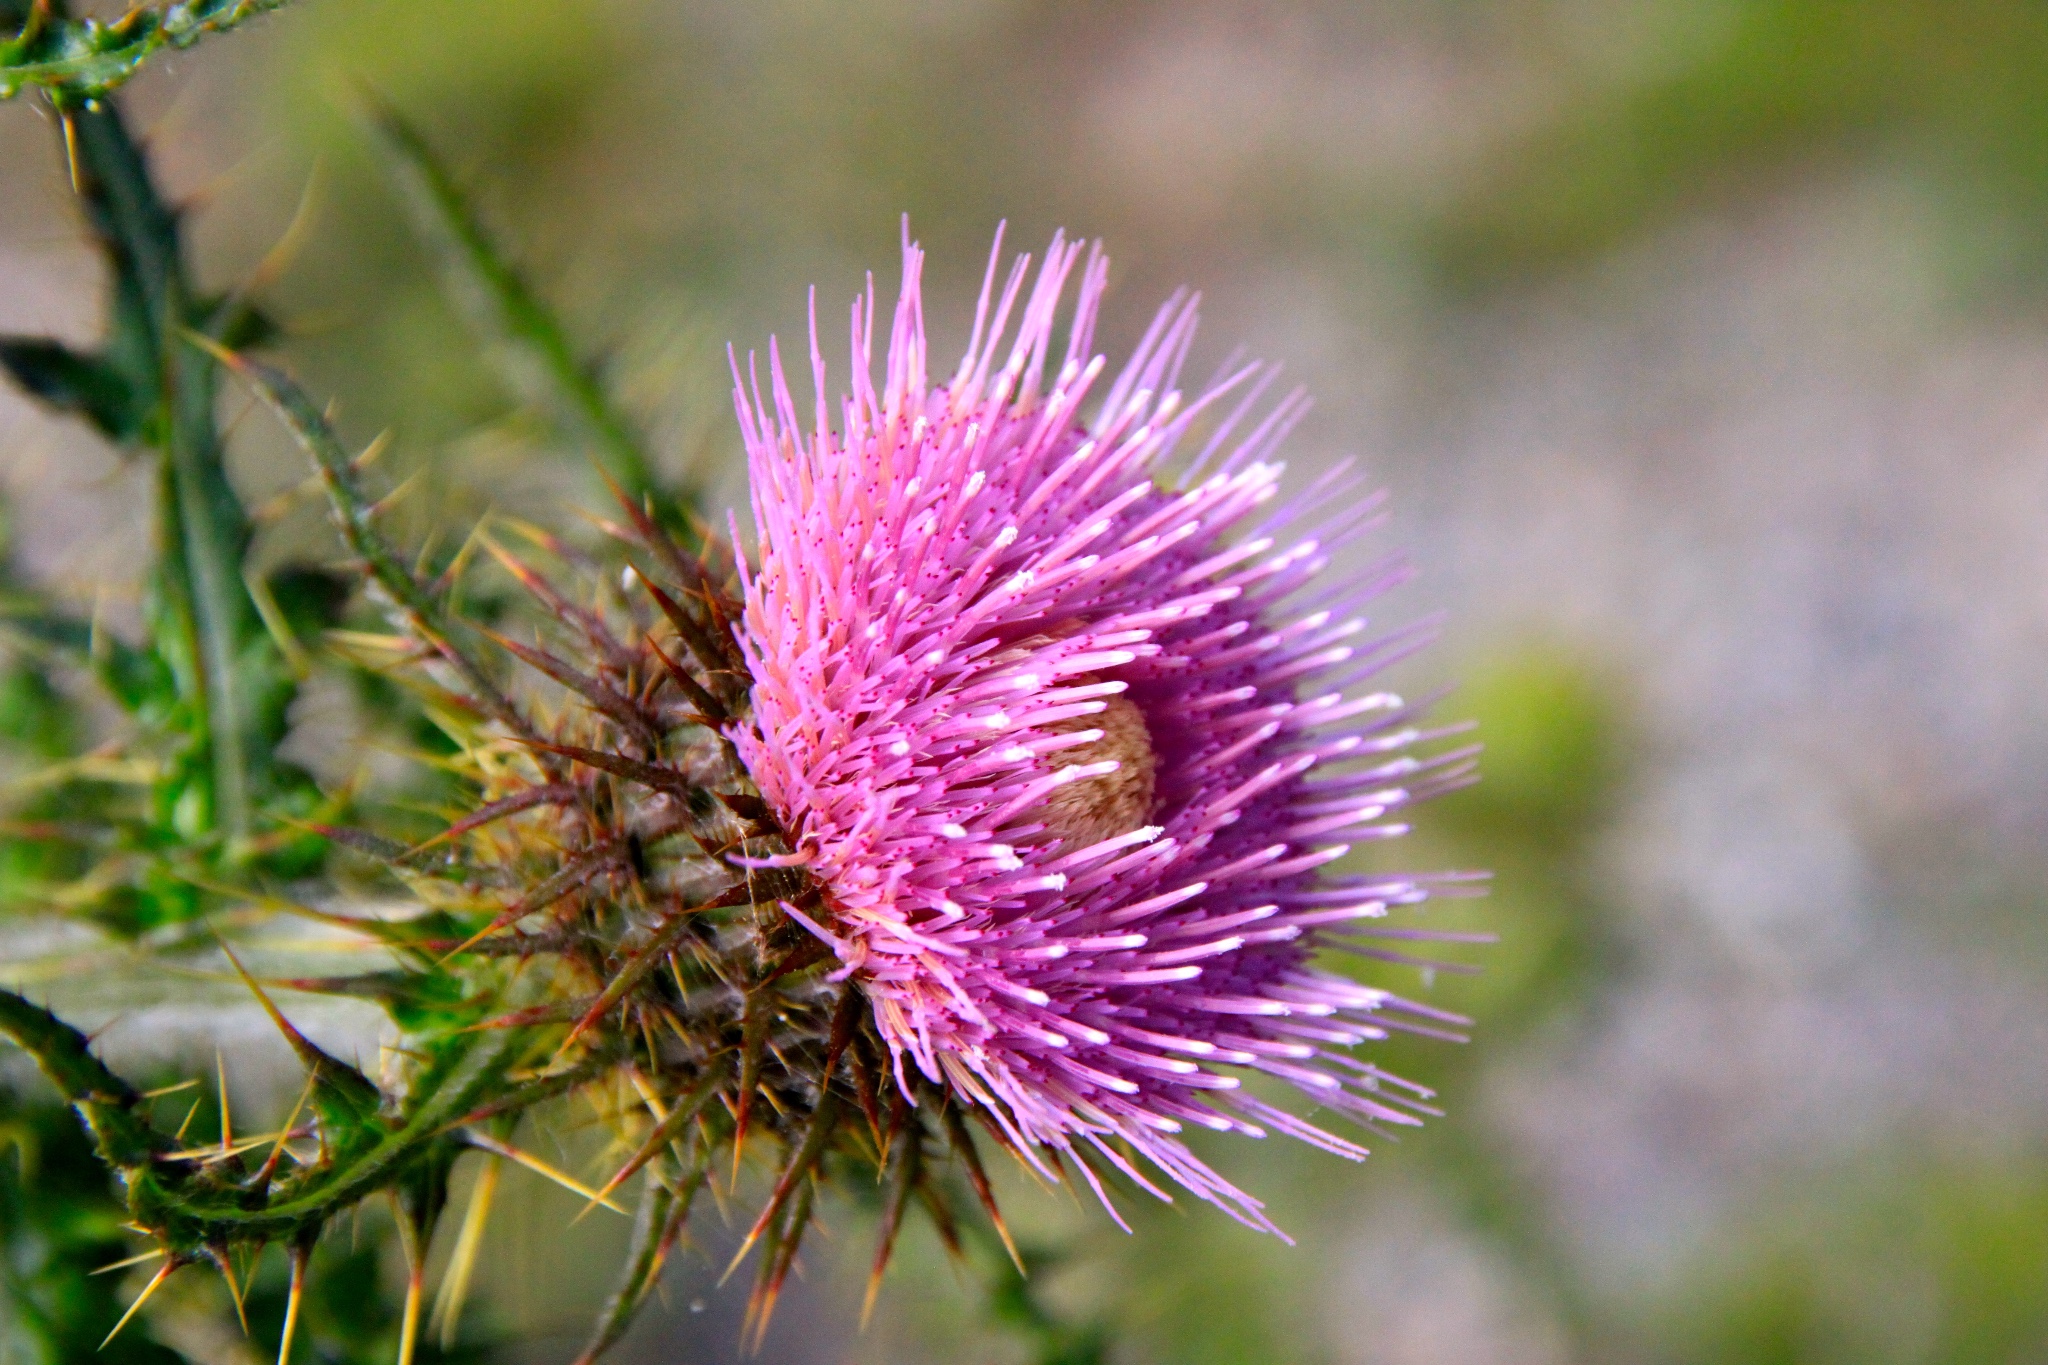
584,930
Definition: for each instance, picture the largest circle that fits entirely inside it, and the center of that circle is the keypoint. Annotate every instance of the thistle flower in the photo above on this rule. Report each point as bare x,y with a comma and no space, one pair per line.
1009,799
1066,720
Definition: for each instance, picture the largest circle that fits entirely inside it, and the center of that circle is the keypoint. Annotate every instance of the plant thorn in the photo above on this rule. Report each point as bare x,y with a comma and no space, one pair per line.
156,1282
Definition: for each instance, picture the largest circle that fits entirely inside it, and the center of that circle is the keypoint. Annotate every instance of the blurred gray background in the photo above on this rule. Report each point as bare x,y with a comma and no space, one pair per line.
1703,348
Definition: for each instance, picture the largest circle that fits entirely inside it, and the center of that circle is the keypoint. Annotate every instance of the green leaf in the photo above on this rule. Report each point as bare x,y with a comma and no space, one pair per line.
135,677
213,675
84,385
416,1001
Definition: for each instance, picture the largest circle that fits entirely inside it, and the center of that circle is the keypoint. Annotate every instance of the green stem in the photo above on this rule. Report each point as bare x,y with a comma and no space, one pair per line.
354,512
84,59
193,1206
109,1105
205,533
474,1065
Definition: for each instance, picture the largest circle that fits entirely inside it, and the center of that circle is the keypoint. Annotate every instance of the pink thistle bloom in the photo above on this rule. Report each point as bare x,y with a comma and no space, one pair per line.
1063,717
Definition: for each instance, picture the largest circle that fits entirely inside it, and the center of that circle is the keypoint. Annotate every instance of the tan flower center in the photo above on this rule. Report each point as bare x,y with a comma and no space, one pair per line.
1092,809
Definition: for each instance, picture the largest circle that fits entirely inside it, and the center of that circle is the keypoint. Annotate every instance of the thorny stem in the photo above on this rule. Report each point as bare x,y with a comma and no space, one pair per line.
353,512
190,1213
85,59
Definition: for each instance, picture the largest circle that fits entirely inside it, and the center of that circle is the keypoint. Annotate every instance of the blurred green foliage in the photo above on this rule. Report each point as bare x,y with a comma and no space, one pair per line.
1918,1260
1955,94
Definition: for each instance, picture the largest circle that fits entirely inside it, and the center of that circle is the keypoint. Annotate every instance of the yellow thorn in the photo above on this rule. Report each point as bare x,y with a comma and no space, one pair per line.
216,350
71,159
270,1162
1003,1231
372,452
392,499
478,937
274,622
661,1114
274,507
597,1199
280,256
455,1280
211,1152
149,1255
189,1113
168,1090
291,1306
428,544
768,1215
648,1095
227,1127
745,1247
470,545
140,1299
226,1265
409,1334
539,1167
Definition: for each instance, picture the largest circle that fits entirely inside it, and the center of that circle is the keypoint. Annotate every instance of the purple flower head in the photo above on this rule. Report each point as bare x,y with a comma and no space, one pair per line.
1066,719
